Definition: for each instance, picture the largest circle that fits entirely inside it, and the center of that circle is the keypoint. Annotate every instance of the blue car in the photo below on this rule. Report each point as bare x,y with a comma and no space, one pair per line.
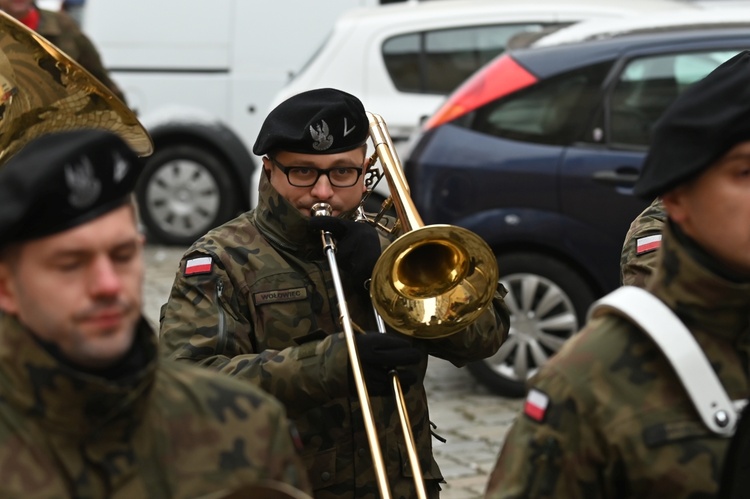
538,153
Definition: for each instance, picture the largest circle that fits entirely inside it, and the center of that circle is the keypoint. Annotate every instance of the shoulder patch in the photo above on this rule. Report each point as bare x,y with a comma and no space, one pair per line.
648,243
536,405
200,265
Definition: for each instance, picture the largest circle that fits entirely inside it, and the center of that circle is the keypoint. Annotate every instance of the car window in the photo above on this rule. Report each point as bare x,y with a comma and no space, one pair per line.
648,85
553,111
436,62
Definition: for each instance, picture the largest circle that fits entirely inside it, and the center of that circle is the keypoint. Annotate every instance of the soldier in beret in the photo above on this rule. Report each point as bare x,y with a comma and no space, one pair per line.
255,299
87,409
609,416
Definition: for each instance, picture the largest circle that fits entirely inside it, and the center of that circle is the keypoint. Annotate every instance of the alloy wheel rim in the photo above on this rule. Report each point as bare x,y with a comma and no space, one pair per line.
183,197
542,317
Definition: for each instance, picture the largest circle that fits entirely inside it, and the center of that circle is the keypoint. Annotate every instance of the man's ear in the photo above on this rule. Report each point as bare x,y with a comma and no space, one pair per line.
267,167
675,204
8,302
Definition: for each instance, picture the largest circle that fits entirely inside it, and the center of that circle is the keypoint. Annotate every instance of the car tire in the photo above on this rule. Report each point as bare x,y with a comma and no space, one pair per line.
548,301
183,192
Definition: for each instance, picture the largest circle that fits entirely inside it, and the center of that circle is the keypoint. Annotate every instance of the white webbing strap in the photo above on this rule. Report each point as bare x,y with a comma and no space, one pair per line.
679,346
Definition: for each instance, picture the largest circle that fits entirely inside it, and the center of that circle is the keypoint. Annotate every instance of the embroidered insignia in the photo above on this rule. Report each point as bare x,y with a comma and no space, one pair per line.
200,265
347,131
322,139
83,184
279,296
536,405
648,243
121,168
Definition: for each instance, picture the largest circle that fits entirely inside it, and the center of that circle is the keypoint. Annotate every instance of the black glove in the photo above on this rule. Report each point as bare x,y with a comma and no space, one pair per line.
357,248
379,354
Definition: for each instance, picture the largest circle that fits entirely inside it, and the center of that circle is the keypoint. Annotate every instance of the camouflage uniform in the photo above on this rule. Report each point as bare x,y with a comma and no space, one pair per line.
161,431
267,313
63,32
637,264
619,422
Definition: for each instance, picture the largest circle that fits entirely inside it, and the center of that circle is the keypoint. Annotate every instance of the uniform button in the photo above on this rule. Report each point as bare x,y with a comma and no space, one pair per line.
361,452
325,476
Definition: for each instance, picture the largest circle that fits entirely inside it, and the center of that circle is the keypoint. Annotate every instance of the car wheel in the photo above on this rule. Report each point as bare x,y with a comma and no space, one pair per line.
548,301
183,192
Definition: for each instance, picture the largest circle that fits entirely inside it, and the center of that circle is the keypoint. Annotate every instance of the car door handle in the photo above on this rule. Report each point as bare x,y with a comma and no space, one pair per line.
617,178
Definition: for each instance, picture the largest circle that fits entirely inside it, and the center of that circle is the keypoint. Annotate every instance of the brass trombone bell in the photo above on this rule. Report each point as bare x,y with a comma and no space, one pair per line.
433,280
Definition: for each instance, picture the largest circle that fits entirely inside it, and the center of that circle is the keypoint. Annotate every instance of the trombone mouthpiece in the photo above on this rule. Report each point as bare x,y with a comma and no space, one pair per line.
321,210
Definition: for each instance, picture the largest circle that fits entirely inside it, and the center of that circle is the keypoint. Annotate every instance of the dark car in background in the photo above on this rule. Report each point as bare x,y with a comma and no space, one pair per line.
538,153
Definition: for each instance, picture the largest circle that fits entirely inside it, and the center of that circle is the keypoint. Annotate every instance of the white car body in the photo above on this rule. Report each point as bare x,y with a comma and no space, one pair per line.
352,58
727,14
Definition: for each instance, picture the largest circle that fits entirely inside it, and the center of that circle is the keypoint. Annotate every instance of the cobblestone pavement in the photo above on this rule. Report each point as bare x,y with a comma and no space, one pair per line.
472,420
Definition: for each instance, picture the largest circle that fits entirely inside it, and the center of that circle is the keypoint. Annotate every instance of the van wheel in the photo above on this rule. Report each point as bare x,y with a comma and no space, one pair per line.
548,302
183,192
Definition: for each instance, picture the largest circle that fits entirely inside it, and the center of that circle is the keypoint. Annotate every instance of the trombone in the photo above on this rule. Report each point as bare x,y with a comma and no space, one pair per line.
431,282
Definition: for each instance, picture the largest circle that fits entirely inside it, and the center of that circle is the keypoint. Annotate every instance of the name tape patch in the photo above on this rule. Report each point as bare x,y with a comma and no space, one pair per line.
200,265
648,243
536,405
280,295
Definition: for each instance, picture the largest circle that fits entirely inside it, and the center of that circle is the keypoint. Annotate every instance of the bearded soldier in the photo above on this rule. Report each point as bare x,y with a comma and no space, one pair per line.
255,299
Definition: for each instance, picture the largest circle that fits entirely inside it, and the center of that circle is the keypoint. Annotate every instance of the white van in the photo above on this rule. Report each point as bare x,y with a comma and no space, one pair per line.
200,74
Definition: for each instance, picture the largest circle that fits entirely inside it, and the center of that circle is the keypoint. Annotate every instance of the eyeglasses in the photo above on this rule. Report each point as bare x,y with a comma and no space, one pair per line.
306,176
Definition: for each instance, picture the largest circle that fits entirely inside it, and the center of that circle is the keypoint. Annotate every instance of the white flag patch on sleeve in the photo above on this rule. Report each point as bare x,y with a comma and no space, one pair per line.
201,265
648,243
536,405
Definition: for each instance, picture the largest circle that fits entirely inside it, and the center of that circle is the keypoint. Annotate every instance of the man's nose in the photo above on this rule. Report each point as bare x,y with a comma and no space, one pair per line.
105,280
322,189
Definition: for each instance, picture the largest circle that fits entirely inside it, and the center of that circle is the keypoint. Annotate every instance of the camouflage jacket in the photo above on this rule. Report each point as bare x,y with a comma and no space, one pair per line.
267,312
63,32
642,241
162,430
607,417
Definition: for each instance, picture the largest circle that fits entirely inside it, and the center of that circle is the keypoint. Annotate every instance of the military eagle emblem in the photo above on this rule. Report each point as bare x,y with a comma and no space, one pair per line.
83,185
322,139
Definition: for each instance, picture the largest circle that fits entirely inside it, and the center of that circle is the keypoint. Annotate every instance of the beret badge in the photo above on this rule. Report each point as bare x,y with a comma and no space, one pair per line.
83,184
322,139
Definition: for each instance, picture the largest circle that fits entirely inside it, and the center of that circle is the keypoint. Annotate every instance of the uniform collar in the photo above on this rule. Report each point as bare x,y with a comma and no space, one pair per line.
66,400
283,224
693,288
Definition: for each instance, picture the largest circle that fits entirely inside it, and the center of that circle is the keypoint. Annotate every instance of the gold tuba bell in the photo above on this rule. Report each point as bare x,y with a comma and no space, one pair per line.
434,280
43,90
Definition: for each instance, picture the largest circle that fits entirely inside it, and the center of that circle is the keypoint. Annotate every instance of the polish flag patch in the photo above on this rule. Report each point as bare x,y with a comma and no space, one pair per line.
201,265
648,243
536,405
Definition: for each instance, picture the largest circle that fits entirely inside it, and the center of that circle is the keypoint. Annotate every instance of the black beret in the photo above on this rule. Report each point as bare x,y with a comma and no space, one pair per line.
321,121
61,180
701,125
